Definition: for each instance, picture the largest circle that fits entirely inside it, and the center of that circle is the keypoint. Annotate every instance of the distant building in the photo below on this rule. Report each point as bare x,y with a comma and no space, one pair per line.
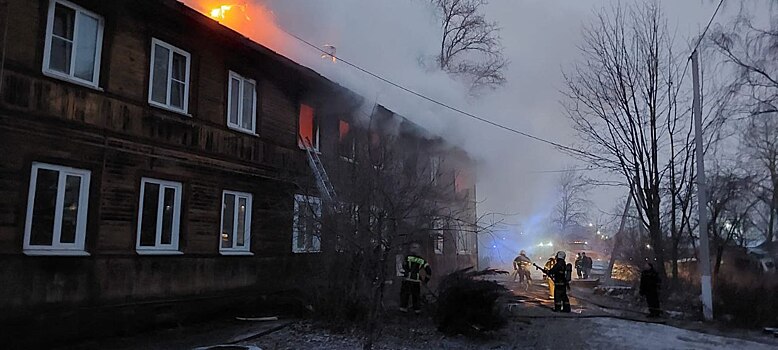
151,166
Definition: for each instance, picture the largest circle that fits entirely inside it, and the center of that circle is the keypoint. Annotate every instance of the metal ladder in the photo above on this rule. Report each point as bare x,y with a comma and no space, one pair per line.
326,189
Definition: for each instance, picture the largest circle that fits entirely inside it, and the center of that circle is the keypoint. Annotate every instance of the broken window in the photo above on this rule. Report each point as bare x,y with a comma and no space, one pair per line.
159,216
236,223
74,39
461,182
56,210
308,132
376,149
346,141
306,230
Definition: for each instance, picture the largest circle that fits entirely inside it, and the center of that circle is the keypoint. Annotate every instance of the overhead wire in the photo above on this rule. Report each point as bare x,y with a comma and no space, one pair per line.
487,121
447,106
696,46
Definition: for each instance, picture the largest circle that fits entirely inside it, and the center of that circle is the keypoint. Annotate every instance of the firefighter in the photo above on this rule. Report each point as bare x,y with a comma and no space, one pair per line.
578,265
559,273
549,264
521,268
413,266
650,284
587,265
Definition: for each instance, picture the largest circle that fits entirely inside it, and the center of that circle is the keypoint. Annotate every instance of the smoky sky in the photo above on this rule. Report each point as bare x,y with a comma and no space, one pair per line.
398,39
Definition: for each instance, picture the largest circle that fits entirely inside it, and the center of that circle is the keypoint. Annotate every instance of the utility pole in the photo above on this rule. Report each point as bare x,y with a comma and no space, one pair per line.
618,238
702,195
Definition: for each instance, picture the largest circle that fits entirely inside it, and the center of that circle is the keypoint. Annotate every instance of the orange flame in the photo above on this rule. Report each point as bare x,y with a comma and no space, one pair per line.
255,22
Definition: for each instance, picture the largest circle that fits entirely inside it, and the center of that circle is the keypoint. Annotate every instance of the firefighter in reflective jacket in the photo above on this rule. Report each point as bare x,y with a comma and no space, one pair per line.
413,266
559,273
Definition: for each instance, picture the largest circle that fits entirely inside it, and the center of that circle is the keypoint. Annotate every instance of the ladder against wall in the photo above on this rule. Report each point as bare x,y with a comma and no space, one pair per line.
326,190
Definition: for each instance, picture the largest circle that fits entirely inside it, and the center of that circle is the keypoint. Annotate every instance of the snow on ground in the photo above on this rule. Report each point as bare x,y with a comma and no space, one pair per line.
622,334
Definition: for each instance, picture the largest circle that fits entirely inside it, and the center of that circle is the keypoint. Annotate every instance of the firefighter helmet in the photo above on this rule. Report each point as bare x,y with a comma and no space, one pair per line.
560,255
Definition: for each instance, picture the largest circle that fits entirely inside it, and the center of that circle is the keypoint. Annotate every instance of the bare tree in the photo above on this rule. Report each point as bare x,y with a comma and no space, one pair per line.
571,208
760,142
754,52
618,96
730,207
470,44
389,195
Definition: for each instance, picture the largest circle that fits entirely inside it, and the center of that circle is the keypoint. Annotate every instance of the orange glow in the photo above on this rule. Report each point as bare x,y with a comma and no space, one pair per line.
219,12
343,127
251,20
461,182
307,127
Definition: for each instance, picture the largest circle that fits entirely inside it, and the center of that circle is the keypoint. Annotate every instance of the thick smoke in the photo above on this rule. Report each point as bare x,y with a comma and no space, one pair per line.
397,40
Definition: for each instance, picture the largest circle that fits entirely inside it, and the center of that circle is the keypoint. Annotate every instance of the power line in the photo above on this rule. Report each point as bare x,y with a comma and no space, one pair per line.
696,46
562,170
455,109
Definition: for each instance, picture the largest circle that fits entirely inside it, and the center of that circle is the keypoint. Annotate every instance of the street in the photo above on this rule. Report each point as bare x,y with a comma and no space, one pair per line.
531,325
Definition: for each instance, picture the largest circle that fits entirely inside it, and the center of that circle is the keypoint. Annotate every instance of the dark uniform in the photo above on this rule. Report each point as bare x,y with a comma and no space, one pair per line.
587,265
649,287
578,265
559,274
521,268
411,285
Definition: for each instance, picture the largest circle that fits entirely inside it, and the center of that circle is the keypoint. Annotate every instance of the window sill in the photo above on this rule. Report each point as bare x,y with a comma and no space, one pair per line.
54,252
158,252
306,251
71,80
169,109
241,130
235,253
315,150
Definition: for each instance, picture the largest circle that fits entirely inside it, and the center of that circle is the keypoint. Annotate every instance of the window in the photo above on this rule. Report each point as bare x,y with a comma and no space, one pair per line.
308,133
306,231
242,103
465,242
169,77
346,141
437,233
399,260
159,215
461,182
434,169
74,39
236,223
56,210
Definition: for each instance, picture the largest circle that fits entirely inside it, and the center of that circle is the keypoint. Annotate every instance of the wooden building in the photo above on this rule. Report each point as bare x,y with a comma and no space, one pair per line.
150,161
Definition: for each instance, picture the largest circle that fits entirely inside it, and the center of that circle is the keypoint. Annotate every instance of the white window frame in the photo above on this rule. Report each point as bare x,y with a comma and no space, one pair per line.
235,249
159,248
173,49
464,242
438,230
435,162
239,126
306,201
98,45
58,248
